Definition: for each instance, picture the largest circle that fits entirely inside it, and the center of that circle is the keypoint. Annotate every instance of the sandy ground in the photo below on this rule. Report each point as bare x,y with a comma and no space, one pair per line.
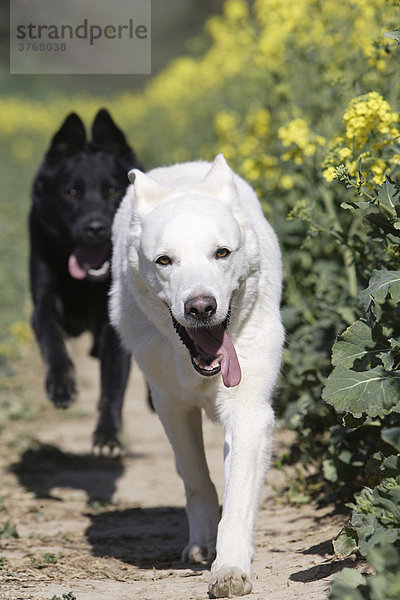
115,531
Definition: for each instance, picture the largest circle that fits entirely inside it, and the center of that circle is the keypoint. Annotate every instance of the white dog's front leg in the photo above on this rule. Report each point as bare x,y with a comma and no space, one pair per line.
248,448
183,427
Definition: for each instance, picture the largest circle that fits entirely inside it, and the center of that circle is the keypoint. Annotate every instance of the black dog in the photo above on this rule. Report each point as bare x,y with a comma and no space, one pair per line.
75,195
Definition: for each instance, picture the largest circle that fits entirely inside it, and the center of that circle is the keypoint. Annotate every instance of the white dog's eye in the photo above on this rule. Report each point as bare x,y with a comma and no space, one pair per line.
222,253
164,260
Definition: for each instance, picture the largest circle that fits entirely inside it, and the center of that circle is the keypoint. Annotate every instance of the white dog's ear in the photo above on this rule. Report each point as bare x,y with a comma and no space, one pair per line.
148,193
219,180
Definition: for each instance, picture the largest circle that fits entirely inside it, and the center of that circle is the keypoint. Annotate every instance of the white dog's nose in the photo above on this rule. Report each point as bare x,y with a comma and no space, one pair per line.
201,307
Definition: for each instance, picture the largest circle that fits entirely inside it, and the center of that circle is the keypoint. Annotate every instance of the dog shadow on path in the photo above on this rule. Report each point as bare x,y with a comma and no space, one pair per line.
43,467
145,537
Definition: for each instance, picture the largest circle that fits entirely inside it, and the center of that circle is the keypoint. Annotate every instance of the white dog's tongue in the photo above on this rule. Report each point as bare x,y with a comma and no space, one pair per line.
216,342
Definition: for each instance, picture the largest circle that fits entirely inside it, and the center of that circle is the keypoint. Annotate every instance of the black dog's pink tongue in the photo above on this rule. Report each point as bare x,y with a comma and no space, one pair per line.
216,342
83,259
76,270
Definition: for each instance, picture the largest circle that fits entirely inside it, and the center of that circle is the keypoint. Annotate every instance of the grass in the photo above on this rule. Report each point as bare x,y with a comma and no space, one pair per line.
8,531
45,561
14,207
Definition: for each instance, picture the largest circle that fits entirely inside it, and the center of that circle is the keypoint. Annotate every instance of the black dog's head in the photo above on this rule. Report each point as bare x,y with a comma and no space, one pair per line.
79,188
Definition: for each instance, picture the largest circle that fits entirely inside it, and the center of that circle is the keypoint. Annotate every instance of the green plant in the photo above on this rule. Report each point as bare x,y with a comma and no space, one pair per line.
350,584
364,386
300,487
375,518
8,531
41,563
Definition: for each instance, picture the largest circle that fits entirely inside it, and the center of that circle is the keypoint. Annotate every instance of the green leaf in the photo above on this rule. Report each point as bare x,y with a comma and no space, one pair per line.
356,344
395,344
393,35
378,224
391,466
347,206
392,437
376,515
387,360
378,535
346,542
388,197
381,284
374,392
329,470
350,577
345,585
385,560
351,205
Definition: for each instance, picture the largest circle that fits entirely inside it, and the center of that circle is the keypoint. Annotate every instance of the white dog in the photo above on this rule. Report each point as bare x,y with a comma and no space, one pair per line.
195,298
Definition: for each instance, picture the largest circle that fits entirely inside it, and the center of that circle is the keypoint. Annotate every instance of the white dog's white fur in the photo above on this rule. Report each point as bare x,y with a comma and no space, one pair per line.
185,236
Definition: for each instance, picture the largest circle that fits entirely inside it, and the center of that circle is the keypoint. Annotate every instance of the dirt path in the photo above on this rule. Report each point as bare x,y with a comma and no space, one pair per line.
115,531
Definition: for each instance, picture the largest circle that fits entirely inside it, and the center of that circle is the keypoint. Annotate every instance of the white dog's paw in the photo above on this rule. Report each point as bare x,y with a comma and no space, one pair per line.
194,553
228,582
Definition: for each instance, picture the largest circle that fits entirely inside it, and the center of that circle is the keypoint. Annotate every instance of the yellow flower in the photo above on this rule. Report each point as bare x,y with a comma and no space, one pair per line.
299,139
21,331
370,129
344,153
378,169
236,10
329,173
286,182
248,146
367,115
258,121
225,123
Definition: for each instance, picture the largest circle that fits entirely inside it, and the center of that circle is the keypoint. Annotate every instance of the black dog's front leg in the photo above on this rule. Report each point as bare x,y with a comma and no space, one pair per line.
60,371
47,324
115,367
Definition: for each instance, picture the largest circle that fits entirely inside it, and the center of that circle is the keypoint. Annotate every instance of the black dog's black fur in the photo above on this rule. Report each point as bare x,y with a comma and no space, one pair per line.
75,195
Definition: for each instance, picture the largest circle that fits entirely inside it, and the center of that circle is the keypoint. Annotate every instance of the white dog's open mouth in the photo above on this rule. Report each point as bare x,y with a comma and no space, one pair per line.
211,351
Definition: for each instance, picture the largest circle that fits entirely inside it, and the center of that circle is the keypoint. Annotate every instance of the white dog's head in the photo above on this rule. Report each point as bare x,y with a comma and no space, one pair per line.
191,255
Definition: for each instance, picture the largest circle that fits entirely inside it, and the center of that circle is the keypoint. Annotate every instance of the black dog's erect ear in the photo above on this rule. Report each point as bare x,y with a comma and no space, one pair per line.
68,140
106,135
